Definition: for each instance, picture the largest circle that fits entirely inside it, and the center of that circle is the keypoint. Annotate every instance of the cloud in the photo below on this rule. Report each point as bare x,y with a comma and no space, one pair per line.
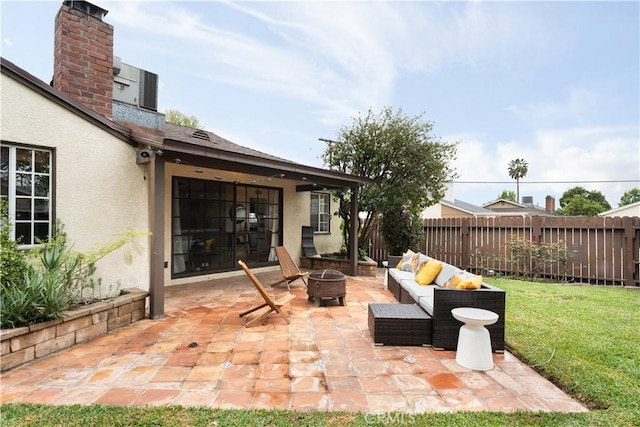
7,42
334,60
589,154
339,58
558,159
578,105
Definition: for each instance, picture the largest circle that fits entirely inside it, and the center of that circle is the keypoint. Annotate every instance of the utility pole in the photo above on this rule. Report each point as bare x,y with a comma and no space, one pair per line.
329,142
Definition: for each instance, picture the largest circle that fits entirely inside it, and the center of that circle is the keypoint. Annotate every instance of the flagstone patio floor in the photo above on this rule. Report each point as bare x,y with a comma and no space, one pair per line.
201,354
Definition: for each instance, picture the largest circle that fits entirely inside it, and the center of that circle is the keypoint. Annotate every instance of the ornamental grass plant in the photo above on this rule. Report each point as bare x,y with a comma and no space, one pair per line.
40,284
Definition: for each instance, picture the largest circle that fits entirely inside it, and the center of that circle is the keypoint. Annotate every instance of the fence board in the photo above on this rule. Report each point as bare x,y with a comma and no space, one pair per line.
603,250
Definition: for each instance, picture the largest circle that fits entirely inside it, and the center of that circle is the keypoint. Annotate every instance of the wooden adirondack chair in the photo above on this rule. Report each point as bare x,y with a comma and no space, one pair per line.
290,271
272,303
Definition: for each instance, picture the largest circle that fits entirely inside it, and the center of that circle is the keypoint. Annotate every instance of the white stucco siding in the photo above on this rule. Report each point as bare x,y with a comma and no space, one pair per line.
434,211
331,242
100,191
297,211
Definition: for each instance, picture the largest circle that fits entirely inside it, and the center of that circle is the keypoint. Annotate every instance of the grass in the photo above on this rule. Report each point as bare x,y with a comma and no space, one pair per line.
583,338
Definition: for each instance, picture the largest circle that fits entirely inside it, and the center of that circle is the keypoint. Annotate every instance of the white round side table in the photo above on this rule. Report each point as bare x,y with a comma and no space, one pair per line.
474,341
385,264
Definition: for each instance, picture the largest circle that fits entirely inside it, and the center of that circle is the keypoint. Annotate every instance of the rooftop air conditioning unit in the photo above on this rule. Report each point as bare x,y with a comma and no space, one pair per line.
148,90
527,200
135,86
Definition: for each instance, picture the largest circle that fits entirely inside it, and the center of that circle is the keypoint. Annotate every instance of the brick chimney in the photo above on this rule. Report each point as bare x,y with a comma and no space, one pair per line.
83,55
550,204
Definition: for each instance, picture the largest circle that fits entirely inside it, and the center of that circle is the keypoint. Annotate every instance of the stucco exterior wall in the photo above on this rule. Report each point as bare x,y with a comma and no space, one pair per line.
99,189
433,211
449,212
296,211
500,205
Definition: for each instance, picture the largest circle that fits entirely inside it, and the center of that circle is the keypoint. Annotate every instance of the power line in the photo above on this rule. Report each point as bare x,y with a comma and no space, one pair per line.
547,182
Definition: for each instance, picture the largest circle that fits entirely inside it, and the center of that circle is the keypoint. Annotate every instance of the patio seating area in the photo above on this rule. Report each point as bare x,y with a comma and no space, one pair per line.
202,354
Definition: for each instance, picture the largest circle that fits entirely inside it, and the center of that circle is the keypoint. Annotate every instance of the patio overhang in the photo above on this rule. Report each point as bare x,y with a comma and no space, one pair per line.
225,156
198,156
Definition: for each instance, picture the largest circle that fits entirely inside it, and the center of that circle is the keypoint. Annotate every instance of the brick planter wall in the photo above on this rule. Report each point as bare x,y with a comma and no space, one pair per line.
21,345
367,268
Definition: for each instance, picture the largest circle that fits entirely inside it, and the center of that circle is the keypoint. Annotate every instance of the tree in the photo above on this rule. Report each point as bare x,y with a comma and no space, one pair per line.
178,118
518,168
578,201
401,229
630,196
407,166
508,195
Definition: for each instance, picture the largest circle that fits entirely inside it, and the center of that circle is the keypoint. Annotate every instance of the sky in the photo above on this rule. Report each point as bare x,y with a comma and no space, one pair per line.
554,83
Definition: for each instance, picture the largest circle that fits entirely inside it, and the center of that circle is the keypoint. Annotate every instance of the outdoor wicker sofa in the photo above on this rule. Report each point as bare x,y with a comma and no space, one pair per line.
438,302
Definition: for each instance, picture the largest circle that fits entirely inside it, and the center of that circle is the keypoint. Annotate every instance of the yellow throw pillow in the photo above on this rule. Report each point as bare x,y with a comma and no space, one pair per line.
428,272
453,282
473,282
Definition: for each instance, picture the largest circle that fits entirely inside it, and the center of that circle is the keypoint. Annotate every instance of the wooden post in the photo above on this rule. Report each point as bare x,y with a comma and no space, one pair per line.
353,250
631,264
156,240
464,238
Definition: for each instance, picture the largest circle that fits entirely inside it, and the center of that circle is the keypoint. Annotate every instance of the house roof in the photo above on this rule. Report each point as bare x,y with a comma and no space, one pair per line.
467,207
200,148
517,208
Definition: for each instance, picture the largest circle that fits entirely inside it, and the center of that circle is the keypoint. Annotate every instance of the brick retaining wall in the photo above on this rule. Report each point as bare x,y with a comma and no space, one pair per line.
367,268
22,345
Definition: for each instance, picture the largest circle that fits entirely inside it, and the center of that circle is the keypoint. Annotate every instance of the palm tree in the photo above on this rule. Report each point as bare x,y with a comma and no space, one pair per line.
518,168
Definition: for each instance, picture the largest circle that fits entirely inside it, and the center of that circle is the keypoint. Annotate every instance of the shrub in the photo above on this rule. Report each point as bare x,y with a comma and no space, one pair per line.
13,262
56,280
484,261
401,230
531,259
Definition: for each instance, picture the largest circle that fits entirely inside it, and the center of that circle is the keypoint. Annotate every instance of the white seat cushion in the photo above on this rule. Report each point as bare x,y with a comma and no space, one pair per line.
400,275
418,291
426,301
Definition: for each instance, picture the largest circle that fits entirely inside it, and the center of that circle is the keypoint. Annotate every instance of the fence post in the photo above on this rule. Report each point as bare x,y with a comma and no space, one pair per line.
464,238
630,265
536,233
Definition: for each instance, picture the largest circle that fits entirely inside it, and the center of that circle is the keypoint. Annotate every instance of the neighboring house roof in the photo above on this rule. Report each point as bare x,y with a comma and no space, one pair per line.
464,209
195,147
505,201
467,207
504,206
632,209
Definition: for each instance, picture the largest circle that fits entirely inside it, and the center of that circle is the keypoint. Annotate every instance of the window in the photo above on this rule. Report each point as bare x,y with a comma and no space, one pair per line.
320,213
25,184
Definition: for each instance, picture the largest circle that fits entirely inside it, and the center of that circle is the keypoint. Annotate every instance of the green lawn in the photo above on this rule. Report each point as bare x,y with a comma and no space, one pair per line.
584,338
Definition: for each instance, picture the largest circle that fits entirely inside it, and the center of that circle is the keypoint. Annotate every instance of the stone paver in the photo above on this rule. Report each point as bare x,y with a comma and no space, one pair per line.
200,354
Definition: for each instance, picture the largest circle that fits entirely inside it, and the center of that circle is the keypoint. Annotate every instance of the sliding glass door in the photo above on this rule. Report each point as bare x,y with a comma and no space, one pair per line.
216,223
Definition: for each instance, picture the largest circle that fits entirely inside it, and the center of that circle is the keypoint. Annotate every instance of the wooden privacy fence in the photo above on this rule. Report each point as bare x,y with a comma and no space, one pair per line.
600,250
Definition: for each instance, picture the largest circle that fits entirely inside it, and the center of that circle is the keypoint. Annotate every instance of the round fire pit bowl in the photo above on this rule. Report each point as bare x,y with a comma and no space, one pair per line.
327,284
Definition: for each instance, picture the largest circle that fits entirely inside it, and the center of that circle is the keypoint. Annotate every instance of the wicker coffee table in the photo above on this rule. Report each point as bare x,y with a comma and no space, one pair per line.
399,324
